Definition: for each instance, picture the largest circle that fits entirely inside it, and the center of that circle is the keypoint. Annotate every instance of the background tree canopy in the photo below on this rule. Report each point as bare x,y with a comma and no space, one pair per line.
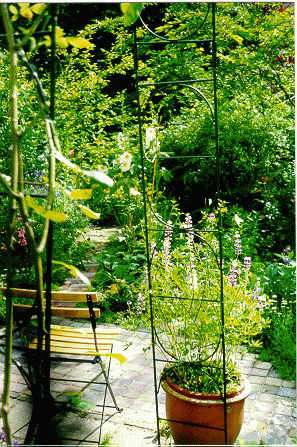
97,120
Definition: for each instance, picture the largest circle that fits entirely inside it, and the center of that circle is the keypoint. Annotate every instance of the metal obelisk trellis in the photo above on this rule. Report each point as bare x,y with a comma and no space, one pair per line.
156,41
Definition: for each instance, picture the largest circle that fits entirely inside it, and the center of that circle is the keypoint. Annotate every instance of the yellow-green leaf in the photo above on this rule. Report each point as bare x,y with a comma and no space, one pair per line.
38,8
47,41
74,271
80,42
13,10
89,213
80,194
55,216
131,12
237,38
62,42
25,11
120,357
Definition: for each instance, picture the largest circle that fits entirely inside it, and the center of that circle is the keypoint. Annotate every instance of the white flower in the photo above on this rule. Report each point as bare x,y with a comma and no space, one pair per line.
134,192
152,143
125,160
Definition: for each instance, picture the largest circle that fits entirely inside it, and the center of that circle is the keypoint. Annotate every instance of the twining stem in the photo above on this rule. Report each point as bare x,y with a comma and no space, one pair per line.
12,216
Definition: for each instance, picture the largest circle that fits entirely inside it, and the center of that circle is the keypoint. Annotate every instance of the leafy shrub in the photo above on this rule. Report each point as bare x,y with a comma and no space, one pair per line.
120,268
280,344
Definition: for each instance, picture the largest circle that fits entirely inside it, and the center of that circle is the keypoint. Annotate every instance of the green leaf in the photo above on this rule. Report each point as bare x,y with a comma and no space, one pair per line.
54,216
238,220
38,8
131,12
13,10
80,194
74,271
89,213
80,42
98,175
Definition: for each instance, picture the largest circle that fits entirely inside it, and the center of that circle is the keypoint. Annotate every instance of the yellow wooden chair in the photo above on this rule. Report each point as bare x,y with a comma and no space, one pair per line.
72,344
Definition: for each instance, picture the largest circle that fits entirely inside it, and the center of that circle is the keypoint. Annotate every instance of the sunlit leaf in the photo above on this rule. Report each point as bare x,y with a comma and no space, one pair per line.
38,8
47,41
131,12
54,216
67,162
120,357
100,176
25,11
59,32
80,42
89,213
74,271
238,220
13,10
80,194
62,42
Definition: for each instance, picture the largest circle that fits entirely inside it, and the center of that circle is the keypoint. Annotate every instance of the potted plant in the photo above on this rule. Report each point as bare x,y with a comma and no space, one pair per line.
186,290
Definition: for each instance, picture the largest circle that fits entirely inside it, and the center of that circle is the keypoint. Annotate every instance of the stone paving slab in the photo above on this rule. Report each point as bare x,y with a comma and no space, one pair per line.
270,410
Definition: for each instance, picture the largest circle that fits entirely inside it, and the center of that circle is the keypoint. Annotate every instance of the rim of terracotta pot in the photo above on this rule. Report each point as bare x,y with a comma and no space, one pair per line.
204,398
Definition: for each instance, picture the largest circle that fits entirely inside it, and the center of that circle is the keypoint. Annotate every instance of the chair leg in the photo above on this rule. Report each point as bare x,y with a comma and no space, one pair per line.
106,377
107,387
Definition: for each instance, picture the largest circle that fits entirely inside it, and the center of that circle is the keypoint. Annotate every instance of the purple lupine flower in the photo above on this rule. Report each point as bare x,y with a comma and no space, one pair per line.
237,244
188,226
3,436
167,244
247,262
140,305
233,275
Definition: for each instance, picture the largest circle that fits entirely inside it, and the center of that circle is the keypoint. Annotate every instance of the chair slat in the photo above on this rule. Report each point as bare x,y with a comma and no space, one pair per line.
89,351
99,332
59,295
70,312
70,341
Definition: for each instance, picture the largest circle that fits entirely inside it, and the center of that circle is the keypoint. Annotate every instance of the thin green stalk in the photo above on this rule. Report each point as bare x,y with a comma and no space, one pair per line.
12,218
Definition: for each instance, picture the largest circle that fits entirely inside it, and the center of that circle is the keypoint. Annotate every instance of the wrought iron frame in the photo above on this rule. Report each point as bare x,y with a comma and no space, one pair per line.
159,41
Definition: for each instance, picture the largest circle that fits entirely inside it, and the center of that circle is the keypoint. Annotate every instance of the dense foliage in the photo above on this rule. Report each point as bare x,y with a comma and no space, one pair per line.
96,118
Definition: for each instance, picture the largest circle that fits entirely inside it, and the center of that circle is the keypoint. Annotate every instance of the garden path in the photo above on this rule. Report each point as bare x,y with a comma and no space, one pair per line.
270,416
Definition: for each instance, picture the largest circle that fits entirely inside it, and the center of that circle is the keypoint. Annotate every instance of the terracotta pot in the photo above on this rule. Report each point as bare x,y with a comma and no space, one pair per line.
205,410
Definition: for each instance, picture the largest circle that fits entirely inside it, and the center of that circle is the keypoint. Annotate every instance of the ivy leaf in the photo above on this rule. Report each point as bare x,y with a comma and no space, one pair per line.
74,271
38,8
80,194
89,213
80,42
55,216
131,12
